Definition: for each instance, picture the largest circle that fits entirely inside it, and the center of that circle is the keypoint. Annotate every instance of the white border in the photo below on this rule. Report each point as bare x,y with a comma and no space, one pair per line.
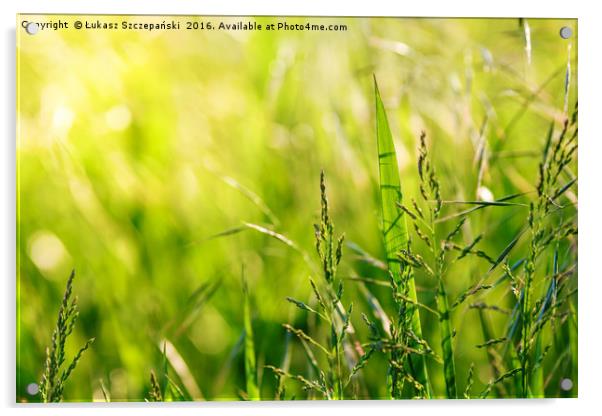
590,97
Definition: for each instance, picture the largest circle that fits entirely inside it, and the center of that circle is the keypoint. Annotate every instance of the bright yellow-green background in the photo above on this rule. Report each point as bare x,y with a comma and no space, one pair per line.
126,141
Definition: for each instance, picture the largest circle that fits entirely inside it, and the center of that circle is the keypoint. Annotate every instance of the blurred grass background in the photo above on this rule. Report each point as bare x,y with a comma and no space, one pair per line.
135,148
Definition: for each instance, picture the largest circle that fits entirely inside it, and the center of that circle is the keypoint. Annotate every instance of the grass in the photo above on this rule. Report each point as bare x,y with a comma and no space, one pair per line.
55,374
426,229
331,381
250,365
396,239
457,273
544,233
407,350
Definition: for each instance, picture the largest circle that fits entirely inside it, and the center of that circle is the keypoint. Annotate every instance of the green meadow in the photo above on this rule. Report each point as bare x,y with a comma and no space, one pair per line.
387,211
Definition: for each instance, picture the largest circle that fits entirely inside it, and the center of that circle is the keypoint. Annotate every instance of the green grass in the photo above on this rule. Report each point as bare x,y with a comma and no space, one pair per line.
331,378
252,391
395,234
546,233
55,374
426,229
457,275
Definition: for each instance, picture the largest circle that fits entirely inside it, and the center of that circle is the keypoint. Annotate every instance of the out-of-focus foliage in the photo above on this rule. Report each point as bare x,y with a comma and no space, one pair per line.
136,149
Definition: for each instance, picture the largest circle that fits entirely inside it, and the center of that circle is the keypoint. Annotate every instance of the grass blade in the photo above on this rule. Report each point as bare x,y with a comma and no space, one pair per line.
283,239
486,203
271,233
449,368
250,366
182,370
253,197
394,226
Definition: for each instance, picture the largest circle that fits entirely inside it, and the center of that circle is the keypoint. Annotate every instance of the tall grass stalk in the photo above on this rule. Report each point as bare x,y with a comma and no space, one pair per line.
425,226
55,375
557,155
332,381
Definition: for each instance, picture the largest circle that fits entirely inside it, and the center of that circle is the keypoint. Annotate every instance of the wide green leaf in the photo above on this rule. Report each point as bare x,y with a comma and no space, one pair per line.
394,228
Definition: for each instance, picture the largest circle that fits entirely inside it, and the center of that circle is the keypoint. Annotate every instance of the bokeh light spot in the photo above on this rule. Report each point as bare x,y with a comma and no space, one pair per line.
118,118
46,250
